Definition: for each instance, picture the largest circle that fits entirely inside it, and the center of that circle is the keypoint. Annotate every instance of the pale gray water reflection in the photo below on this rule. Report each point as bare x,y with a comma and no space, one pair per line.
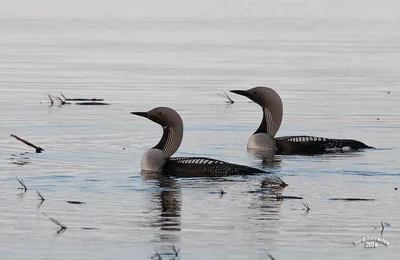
334,63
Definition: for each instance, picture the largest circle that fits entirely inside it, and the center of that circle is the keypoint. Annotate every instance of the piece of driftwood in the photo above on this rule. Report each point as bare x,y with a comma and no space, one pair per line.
74,202
81,99
352,199
37,148
279,196
92,103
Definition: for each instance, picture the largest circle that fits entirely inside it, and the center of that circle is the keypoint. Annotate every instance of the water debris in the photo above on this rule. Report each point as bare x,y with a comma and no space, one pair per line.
51,99
221,191
37,148
352,199
156,255
58,223
174,254
279,196
74,202
92,103
306,206
40,196
81,99
23,184
273,182
176,251
270,256
383,228
230,101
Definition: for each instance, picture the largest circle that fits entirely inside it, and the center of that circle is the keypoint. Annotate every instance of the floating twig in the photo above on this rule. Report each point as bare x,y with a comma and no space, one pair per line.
352,199
306,206
37,148
383,228
40,195
156,255
279,196
58,223
221,191
81,99
230,101
92,103
51,99
23,184
74,202
268,182
63,102
176,251
270,256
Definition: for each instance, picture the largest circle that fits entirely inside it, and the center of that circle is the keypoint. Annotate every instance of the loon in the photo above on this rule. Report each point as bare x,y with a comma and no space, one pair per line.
264,138
158,158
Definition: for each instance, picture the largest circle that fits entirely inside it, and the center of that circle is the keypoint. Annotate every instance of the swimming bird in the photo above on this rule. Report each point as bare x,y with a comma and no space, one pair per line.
158,158
264,137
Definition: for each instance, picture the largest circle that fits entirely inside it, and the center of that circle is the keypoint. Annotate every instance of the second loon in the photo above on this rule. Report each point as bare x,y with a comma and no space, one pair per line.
264,137
158,158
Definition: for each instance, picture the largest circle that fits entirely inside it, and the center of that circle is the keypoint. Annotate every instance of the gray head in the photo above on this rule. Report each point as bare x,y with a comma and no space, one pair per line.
270,102
172,125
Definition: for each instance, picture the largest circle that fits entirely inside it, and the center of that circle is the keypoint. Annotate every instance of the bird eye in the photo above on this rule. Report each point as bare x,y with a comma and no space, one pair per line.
255,92
159,113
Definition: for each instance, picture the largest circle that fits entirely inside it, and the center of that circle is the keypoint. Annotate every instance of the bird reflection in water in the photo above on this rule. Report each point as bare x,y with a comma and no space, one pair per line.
168,200
268,158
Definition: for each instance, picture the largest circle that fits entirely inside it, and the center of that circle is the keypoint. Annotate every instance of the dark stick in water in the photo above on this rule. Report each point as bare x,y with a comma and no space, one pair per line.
38,149
306,206
176,251
230,100
23,184
81,99
92,103
55,221
40,195
51,99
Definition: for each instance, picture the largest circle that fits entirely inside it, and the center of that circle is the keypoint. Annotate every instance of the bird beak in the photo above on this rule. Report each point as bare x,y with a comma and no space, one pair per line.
143,114
240,92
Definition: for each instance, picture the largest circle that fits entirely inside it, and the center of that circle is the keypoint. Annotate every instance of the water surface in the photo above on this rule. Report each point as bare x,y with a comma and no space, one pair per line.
334,63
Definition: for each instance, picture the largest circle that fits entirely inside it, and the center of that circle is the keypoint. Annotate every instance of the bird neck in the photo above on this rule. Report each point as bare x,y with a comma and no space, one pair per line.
170,140
270,122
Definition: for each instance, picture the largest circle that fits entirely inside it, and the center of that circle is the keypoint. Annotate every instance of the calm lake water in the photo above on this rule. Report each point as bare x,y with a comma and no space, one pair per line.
336,65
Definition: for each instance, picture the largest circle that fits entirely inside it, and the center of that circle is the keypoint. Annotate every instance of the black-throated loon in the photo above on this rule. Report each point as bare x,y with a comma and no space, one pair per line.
264,137
158,158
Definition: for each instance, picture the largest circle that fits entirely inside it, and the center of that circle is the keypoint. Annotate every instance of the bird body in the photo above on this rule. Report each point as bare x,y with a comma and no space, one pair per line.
264,137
